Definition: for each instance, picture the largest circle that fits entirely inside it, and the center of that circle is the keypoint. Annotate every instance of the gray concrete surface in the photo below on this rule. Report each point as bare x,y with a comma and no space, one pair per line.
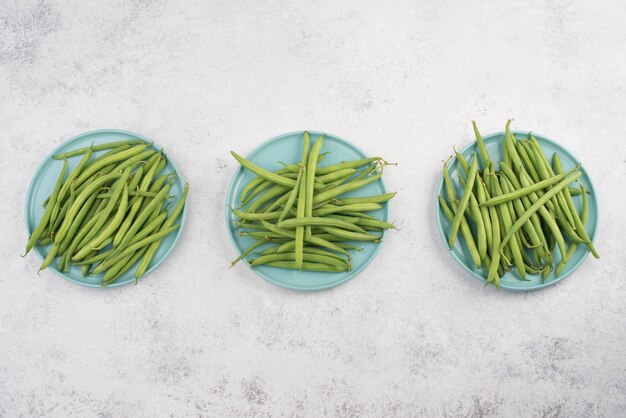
411,336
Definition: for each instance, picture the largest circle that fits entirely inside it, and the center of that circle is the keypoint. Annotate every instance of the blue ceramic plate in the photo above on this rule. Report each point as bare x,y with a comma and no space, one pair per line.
510,281
288,148
43,182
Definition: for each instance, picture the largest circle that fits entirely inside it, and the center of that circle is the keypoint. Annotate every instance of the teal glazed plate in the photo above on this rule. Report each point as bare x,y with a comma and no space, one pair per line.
510,280
43,182
288,148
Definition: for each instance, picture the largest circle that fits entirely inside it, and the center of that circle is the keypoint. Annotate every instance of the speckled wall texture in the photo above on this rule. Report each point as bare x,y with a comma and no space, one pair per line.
411,336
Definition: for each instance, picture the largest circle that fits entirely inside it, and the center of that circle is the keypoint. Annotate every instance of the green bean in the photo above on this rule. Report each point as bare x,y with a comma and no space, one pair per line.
336,175
359,215
267,216
274,178
507,218
301,206
481,145
375,223
277,203
258,190
253,184
480,226
456,223
34,236
307,257
382,198
574,191
321,241
95,148
247,251
266,197
292,195
134,193
295,168
317,221
465,229
306,250
304,266
347,164
349,235
509,143
49,257
484,211
310,175
360,207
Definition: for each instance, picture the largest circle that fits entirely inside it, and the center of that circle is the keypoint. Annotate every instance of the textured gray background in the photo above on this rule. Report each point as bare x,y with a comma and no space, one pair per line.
413,335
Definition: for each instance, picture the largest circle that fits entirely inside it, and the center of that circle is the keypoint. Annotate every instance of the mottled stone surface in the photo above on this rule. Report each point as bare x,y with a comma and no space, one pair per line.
413,335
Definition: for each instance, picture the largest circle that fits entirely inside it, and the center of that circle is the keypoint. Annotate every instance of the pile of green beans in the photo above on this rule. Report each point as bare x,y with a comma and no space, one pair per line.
515,214
299,211
110,212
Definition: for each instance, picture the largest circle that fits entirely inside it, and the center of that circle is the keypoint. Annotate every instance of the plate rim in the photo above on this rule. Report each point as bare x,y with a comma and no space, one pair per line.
506,286
182,217
230,190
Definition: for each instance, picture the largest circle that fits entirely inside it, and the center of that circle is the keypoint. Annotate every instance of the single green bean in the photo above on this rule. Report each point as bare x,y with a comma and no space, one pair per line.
304,266
360,207
347,164
292,195
507,218
247,251
307,257
95,148
482,150
274,178
318,221
382,198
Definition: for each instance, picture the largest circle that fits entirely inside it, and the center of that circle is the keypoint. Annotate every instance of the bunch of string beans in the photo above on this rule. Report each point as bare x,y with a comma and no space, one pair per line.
109,212
299,210
514,218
